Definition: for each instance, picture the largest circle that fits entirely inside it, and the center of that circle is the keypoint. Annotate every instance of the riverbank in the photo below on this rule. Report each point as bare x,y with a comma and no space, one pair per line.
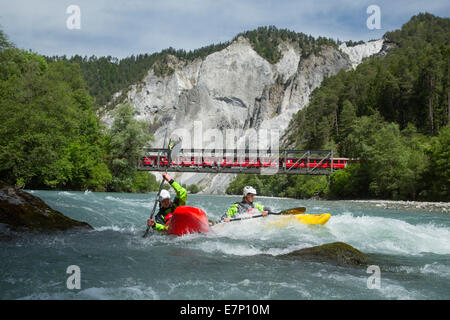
443,207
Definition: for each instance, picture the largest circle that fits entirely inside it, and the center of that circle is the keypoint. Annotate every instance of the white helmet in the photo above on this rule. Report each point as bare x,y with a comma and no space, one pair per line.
164,195
248,190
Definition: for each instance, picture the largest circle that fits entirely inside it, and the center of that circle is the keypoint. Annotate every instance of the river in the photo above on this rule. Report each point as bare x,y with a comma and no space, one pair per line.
238,260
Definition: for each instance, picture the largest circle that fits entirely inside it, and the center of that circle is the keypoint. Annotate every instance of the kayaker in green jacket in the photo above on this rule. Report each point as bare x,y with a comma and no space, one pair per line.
166,206
245,206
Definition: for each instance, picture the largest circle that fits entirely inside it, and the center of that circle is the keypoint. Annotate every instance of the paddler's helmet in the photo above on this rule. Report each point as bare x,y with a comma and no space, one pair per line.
248,190
164,195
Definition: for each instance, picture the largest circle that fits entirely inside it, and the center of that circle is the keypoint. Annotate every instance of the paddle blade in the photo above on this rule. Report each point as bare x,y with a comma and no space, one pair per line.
298,210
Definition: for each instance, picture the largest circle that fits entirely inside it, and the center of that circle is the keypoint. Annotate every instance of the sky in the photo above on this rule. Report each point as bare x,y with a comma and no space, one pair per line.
121,28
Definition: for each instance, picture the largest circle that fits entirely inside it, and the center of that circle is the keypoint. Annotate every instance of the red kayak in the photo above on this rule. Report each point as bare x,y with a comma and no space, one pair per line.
188,220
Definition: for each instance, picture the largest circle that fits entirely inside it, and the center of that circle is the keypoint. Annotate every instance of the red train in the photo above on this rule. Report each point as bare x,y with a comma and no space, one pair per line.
335,163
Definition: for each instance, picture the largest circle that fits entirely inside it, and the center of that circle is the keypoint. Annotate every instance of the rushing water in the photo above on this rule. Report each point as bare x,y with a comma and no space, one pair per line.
238,260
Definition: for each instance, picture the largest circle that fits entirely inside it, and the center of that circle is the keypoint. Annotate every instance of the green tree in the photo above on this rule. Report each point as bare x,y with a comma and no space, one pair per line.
144,181
438,172
49,136
193,188
4,43
127,138
344,183
347,119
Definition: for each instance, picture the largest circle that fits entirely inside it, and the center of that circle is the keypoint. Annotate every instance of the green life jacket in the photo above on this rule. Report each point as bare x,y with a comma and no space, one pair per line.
242,207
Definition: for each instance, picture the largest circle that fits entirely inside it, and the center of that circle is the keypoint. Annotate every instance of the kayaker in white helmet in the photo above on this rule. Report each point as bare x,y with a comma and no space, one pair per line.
166,206
246,205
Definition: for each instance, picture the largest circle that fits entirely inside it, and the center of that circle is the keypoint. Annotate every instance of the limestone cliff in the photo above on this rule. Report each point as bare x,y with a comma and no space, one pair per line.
236,88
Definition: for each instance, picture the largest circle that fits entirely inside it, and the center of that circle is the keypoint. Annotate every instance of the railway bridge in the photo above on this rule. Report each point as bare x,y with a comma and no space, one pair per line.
306,162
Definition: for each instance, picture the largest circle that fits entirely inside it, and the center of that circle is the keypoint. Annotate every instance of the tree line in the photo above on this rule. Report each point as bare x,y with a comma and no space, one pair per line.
266,40
392,113
50,135
108,75
105,76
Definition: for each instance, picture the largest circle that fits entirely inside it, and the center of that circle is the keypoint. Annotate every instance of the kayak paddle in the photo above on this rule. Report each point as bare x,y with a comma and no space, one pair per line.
292,211
172,152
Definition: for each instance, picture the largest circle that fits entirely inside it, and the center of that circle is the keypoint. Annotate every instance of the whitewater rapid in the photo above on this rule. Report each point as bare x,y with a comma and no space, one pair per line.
237,260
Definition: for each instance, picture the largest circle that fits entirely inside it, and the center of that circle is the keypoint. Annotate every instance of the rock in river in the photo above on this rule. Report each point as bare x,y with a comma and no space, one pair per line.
338,252
21,211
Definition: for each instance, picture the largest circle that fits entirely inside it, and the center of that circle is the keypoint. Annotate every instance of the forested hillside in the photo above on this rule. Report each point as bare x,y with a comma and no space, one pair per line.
50,135
107,75
265,41
392,113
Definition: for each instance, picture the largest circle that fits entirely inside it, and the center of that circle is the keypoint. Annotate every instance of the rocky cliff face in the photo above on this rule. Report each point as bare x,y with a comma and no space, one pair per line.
359,52
236,88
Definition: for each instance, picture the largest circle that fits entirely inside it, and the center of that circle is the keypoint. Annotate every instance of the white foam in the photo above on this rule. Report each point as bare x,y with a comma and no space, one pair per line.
130,229
391,290
438,269
130,292
128,202
367,233
66,193
228,248
387,235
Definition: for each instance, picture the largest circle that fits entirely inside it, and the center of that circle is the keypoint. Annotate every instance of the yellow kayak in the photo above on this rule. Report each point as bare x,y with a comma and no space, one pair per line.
305,218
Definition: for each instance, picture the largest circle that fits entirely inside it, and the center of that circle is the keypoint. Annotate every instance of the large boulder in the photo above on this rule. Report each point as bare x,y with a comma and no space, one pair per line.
21,211
338,252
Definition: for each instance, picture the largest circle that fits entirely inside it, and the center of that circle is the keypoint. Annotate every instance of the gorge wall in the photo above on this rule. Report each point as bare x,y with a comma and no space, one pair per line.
236,88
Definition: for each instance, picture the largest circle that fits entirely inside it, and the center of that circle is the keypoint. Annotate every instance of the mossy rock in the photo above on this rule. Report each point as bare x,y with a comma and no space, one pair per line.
339,252
21,211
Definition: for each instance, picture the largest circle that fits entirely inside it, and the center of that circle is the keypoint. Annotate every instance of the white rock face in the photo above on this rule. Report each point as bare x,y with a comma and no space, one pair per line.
307,77
237,73
359,52
287,66
235,88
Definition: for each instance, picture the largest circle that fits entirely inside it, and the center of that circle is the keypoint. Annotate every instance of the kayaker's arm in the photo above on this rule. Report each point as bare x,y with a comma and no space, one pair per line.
160,227
158,223
258,206
265,210
181,197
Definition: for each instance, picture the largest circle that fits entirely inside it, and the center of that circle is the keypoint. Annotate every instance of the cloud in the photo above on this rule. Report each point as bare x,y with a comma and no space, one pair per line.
122,28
